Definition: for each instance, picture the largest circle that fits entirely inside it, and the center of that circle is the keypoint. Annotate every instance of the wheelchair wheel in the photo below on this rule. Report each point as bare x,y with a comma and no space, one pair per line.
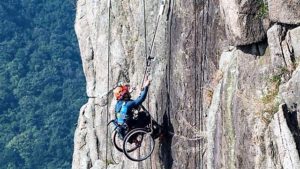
142,140
118,143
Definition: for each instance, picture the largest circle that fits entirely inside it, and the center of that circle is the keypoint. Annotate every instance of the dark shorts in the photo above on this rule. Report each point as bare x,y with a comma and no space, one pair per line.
142,121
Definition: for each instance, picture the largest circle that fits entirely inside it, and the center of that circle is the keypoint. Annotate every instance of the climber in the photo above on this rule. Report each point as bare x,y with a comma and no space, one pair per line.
125,107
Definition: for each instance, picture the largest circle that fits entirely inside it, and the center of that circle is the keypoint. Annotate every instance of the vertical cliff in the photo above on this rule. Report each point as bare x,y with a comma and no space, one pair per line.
224,72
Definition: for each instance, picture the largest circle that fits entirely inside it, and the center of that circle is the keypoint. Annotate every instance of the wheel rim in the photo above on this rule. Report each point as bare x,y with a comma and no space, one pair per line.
143,143
118,142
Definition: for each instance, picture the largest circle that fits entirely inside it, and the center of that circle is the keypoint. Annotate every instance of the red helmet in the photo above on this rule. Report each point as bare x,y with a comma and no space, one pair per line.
120,91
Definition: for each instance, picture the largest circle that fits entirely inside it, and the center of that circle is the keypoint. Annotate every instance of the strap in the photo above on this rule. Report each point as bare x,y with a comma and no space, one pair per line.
123,104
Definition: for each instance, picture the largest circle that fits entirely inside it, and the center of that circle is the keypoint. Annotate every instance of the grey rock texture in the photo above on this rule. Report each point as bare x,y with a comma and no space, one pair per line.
289,92
284,47
281,141
187,37
242,113
293,40
275,34
243,25
237,119
224,106
284,11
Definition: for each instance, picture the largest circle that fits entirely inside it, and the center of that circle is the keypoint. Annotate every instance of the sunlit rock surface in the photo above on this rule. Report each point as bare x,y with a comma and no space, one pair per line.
225,84
284,11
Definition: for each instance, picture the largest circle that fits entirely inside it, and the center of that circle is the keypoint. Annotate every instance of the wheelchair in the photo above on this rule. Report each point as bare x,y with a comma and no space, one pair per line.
138,142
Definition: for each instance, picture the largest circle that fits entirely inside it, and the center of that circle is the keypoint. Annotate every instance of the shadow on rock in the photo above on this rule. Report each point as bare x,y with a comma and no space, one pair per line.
166,142
293,124
257,49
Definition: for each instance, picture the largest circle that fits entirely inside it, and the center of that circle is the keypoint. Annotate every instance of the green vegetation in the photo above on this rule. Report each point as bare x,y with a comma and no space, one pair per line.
41,84
110,162
295,64
270,99
271,95
263,9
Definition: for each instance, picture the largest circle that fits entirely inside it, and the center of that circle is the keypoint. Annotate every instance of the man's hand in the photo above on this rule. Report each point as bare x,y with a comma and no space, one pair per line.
147,82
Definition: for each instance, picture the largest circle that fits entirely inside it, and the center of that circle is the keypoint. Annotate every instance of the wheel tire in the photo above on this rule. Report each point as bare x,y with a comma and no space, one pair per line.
143,142
118,143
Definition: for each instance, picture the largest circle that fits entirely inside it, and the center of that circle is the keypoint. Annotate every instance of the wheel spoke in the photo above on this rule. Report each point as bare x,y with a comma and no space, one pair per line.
144,144
117,141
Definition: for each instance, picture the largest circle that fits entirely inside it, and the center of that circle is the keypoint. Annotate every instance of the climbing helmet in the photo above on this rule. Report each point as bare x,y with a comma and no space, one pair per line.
120,91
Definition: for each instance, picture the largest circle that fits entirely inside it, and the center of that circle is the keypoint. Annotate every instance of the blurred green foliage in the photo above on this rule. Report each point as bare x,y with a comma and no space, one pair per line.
41,83
263,9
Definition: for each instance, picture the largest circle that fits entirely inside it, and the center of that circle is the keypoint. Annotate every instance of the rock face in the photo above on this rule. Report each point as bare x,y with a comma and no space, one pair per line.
243,25
224,106
282,145
284,11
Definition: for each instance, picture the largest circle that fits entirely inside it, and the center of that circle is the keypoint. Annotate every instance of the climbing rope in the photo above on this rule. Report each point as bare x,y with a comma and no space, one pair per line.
161,11
108,90
203,65
149,57
197,138
145,30
198,134
196,81
148,60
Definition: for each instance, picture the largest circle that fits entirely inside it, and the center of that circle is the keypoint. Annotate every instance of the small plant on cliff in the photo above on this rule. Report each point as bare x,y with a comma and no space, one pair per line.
269,112
269,100
275,81
263,9
110,162
295,64
273,92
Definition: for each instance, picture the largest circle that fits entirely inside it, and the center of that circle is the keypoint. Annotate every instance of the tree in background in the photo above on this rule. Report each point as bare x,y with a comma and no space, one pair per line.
41,83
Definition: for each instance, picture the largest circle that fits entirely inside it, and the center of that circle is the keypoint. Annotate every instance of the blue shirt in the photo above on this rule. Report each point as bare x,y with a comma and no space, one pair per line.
123,107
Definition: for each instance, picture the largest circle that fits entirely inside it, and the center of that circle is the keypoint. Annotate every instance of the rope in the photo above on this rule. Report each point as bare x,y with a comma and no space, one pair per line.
108,90
148,57
171,5
199,137
197,109
145,31
161,11
205,24
145,38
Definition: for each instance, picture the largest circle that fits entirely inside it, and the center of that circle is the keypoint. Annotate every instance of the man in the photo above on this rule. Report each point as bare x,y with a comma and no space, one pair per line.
125,106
